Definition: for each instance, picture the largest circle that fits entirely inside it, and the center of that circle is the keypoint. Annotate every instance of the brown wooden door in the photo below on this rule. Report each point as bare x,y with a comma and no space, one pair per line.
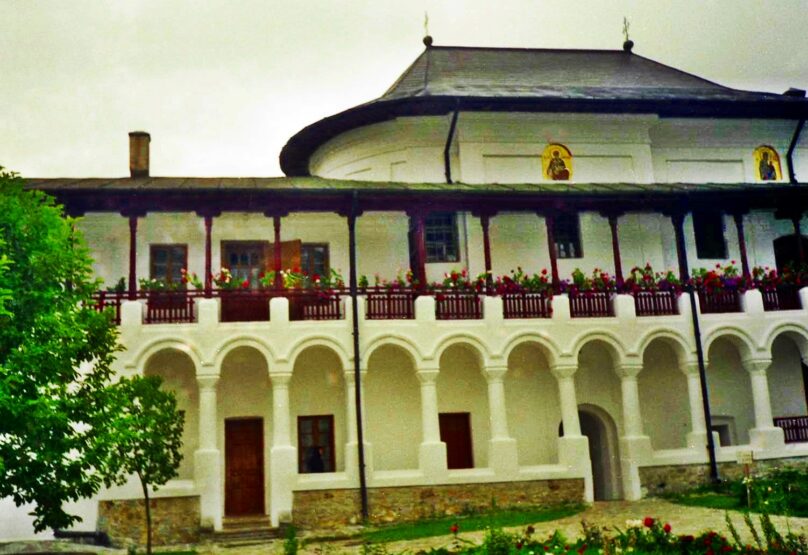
455,432
244,467
290,255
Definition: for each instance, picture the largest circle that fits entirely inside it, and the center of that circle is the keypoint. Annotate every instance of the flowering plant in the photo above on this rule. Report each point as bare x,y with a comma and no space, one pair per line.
521,282
768,278
296,279
598,281
154,284
225,280
645,279
719,278
403,279
190,278
461,281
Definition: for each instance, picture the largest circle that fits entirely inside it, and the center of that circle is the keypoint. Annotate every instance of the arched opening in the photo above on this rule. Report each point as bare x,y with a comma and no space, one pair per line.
318,407
245,413
787,251
393,401
463,408
730,390
601,432
179,376
666,414
532,405
787,378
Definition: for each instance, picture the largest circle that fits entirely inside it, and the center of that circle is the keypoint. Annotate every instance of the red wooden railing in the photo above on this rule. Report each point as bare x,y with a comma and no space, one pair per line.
451,304
719,301
244,305
169,307
314,305
783,297
527,305
389,304
591,304
795,428
104,300
655,303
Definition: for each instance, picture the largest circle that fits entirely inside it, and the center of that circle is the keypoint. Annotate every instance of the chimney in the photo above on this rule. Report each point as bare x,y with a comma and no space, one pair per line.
139,153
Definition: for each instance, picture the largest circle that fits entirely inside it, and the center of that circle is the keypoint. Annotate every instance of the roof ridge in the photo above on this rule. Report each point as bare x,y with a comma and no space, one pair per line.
530,49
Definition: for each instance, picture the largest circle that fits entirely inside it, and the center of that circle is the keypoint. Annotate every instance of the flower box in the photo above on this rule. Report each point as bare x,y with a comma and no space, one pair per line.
244,305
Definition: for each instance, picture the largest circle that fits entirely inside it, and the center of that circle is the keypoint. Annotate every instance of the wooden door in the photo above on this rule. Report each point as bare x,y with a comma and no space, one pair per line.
244,467
455,432
290,255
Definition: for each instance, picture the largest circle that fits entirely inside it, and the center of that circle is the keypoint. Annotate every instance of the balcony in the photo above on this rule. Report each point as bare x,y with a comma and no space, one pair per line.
527,305
782,297
656,303
795,428
719,301
591,304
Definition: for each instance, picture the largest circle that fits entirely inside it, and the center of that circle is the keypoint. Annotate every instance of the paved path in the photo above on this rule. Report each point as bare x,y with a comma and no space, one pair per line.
683,520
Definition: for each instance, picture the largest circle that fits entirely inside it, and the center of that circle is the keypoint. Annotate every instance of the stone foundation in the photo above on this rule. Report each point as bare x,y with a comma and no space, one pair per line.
658,480
175,520
339,507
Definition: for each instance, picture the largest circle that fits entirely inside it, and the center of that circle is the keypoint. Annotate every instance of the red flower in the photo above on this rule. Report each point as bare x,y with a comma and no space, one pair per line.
726,548
454,528
667,528
519,544
245,284
648,522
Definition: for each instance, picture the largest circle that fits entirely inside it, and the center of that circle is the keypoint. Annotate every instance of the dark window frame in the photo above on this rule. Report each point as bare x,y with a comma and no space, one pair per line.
308,268
568,234
169,265
261,246
709,233
449,244
330,458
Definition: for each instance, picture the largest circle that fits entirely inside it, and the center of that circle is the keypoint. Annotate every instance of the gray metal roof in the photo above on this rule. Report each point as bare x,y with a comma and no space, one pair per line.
447,78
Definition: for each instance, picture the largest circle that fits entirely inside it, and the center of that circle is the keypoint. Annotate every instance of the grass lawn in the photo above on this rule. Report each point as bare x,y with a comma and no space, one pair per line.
440,526
709,500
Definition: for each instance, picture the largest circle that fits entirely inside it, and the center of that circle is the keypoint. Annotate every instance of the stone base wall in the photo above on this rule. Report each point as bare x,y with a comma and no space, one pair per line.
175,520
339,507
658,480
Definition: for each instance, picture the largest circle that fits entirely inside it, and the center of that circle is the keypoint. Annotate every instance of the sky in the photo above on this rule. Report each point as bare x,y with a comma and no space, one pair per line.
222,84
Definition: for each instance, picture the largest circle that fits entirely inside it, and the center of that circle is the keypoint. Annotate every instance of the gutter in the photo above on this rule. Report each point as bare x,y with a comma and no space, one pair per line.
447,162
792,178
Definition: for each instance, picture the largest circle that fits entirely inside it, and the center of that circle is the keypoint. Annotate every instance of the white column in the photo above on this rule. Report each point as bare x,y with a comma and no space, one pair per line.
764,435
502,452
207,458
573,448
697,438
635,448
432,451
352,436
282,455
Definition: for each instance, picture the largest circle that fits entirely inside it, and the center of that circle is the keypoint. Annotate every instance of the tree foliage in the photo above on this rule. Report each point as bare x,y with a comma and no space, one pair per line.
144,430
55,357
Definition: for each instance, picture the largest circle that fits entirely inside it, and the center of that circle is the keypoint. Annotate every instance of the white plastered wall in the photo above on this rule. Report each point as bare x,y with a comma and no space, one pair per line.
596,382
730,389
393,405
785,377
663,389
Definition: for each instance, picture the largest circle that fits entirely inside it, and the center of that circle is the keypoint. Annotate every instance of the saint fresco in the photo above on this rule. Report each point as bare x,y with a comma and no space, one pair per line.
556,163
767,164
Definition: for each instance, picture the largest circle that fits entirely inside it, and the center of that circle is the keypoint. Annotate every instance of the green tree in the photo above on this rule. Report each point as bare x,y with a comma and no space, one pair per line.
55,357
145,434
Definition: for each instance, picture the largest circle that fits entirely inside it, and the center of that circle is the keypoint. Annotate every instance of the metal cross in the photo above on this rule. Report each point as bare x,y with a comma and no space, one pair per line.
626,25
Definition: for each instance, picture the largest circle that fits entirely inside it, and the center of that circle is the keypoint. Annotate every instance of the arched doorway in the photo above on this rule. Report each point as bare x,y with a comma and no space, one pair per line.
599,428
787,250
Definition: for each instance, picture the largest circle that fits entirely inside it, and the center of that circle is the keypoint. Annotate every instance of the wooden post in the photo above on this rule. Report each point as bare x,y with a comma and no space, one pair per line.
276,223
419,238
132,257
798,237
549,222
738,217
618,265
678,221
208,257
485,220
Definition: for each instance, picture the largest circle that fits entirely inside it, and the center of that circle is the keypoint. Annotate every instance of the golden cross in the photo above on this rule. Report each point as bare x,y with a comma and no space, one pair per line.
626,25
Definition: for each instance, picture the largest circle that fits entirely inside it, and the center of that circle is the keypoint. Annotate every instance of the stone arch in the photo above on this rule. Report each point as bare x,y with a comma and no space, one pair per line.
729,386
320,341
737,336
141,359
787,375
672,338
470,341
597,381
609,340
545,344
797,333
233,343
604,452
403,343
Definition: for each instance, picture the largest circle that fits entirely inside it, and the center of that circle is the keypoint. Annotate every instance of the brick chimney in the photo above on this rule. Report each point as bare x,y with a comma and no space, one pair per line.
139,153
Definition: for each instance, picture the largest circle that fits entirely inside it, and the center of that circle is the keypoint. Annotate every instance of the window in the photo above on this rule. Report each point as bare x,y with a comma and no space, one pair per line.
440,232
315,443
568,236
709,230
245,259
314,258
166,262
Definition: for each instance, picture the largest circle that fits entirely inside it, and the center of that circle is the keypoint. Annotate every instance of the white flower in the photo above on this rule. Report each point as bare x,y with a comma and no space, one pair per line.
634,523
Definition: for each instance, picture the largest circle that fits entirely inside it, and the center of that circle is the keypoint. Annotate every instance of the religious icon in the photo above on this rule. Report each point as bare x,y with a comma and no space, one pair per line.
767,163
556,162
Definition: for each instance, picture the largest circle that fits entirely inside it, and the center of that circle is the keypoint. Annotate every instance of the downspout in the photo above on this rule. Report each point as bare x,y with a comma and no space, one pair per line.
363,488
447,161
681,248
794,140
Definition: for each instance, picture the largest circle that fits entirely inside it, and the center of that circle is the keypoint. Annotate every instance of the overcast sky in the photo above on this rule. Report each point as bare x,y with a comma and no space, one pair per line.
221,85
